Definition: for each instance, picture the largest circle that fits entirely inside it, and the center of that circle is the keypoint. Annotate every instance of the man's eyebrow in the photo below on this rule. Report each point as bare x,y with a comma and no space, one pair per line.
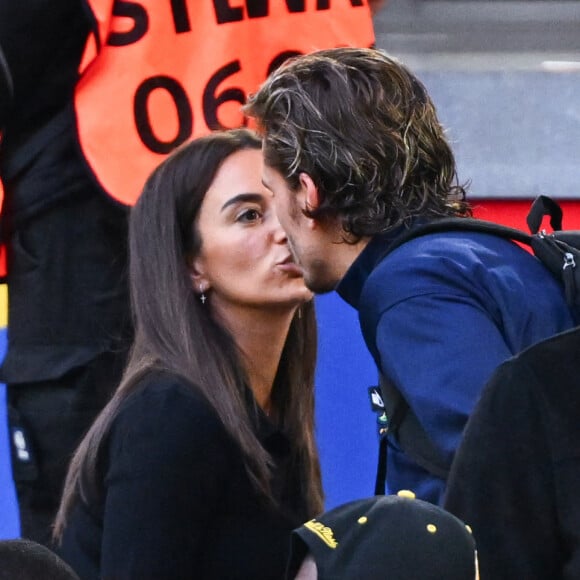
243,198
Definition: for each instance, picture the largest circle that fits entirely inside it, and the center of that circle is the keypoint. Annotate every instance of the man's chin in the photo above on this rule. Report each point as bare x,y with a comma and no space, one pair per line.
318,277
319,287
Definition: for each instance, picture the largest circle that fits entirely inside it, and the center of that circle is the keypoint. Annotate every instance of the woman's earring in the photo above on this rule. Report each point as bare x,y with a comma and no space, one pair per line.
202,295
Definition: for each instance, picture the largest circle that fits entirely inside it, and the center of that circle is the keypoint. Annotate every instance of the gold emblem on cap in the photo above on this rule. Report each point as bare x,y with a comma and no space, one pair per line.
431,528
406,493
363,520
323,532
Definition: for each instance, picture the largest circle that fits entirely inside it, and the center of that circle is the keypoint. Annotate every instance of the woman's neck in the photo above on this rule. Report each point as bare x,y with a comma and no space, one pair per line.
260,336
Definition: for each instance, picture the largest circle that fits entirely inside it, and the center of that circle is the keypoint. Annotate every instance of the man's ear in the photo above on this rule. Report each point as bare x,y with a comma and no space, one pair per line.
310,192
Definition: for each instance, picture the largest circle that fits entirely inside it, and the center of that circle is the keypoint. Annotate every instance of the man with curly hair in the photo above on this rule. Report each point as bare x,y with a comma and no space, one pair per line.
355,156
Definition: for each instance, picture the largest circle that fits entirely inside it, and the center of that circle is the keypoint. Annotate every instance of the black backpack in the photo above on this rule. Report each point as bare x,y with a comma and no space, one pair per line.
559,251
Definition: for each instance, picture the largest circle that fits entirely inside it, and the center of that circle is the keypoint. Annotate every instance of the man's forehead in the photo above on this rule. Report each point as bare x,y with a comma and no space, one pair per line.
269,176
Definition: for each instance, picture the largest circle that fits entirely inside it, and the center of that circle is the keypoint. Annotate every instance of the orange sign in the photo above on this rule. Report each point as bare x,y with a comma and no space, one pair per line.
158,73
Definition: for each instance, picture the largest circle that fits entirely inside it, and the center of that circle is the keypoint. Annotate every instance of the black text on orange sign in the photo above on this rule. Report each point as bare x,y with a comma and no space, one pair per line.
212,100
224,13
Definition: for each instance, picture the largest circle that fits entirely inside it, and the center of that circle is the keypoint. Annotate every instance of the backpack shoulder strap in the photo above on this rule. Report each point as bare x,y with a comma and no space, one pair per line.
411,436
544,206
459,224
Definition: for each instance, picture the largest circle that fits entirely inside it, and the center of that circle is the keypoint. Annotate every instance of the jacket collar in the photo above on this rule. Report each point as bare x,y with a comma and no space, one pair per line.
351,285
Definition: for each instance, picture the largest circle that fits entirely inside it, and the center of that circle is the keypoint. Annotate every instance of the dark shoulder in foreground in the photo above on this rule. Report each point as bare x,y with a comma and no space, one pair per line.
557,354
553,365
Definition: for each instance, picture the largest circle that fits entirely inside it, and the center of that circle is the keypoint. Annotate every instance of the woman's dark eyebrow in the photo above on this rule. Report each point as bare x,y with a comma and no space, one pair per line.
243,197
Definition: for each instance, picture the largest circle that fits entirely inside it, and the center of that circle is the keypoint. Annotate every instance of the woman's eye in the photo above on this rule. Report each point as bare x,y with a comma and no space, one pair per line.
249,215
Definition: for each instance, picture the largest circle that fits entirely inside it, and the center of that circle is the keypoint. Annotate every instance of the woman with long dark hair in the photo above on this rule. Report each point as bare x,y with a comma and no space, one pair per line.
204,460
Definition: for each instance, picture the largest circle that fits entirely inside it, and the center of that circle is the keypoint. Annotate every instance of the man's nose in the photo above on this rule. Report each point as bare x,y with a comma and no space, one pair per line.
278,232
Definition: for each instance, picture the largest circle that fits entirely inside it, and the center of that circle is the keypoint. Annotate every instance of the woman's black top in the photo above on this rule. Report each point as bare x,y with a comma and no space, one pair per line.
176,499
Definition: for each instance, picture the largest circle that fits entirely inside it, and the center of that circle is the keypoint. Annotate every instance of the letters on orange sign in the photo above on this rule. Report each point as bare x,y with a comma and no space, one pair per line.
156,74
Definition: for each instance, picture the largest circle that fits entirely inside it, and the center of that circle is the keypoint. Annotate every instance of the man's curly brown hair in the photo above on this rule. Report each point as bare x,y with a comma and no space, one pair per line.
363,127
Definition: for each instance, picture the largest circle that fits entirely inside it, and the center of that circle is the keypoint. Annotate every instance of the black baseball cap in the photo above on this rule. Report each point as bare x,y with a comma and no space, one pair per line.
393,537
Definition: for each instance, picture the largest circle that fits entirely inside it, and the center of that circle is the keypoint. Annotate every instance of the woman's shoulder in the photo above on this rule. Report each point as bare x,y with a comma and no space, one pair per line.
160,383
165,430
165,402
